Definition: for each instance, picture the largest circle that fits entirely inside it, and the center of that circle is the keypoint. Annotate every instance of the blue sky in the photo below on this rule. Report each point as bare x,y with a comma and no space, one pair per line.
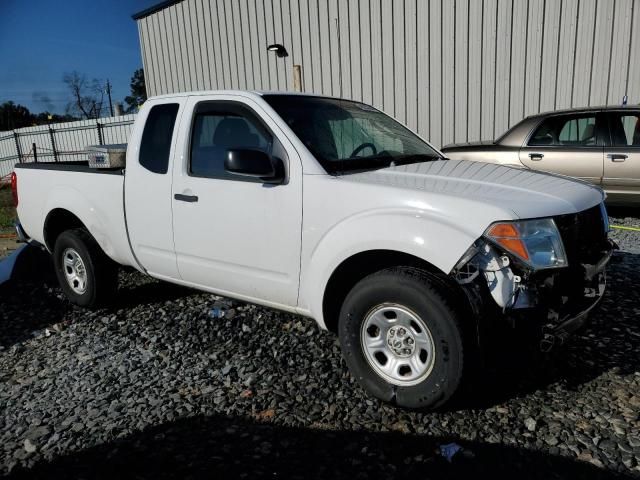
41,40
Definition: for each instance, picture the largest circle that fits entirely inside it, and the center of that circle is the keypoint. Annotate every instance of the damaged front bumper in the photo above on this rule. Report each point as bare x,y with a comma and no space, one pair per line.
553,302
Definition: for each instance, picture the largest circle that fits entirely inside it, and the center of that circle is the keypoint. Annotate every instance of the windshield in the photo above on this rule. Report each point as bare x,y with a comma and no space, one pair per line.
349,136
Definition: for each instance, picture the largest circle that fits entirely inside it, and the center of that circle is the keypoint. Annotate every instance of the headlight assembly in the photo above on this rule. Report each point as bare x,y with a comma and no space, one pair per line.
535,242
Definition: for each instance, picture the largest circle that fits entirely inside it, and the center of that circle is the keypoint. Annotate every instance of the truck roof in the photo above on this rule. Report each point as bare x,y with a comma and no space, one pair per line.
247,93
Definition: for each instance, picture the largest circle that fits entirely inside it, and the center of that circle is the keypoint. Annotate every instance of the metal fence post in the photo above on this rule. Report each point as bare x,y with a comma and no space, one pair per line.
99,127
35,152
15,137
53,144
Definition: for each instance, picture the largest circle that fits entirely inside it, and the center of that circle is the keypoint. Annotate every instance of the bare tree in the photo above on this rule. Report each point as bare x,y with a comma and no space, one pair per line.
87,95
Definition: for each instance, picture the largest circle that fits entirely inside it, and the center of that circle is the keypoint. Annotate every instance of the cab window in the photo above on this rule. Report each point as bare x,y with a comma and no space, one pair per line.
219,127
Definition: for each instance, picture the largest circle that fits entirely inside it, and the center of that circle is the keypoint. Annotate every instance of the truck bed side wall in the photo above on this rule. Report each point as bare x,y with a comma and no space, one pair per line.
95,199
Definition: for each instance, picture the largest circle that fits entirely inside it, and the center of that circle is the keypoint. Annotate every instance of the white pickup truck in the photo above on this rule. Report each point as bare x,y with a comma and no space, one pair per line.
330,209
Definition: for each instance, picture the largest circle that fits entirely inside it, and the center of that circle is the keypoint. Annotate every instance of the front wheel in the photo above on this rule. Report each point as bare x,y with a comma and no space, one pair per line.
401,337
86,275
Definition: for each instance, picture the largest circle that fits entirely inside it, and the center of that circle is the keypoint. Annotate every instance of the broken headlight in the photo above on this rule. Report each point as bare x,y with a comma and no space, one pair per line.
535,242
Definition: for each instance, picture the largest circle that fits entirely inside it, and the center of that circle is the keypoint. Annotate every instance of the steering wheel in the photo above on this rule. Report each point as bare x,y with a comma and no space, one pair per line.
362,147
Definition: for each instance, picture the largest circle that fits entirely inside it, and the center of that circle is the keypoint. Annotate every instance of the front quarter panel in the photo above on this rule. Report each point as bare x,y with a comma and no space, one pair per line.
352,219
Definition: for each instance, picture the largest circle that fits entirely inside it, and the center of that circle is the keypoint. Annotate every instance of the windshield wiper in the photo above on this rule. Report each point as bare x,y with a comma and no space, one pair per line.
409,159
358,164
363,163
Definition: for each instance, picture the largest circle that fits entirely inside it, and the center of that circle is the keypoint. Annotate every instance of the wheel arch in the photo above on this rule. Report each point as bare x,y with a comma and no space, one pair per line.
57,221
358,266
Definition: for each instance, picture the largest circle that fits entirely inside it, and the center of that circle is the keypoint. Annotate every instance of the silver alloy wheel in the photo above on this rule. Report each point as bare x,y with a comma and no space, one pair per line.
74,270
397,344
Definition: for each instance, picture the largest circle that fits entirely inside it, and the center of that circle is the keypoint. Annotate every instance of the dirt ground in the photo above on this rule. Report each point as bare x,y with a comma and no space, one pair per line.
7,245
7,215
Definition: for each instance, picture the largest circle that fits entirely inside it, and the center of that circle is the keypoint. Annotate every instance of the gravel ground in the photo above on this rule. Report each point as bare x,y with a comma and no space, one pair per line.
628,240
154,387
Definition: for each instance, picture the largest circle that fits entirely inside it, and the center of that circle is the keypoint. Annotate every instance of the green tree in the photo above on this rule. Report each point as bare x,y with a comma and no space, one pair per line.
44,118
138,92
14,116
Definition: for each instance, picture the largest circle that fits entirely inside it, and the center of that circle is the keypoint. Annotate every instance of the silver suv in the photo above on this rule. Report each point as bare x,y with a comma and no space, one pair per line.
598,144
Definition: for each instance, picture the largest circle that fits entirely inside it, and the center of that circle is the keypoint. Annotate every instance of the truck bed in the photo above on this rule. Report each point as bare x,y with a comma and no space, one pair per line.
93,196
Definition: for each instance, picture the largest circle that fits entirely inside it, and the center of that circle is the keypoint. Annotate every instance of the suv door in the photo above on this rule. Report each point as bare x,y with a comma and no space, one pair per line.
236,235
569,144
622,157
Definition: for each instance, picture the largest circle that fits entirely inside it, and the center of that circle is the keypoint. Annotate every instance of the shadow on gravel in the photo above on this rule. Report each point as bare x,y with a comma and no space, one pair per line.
622,212
27,303
27,308
148,293
609,342
222,447
34,302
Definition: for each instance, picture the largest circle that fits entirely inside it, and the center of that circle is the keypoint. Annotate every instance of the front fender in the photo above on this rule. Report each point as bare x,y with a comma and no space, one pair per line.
413,232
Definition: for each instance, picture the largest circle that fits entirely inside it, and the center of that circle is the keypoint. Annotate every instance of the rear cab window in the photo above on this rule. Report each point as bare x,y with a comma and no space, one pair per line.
155,146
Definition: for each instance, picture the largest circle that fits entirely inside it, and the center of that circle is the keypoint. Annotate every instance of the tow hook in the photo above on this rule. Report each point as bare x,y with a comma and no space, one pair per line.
550,341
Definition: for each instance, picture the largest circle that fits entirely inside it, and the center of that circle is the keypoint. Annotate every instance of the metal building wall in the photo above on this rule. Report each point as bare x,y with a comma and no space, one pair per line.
454,70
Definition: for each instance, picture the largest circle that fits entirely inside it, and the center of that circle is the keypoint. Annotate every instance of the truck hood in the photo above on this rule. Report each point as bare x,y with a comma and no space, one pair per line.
525,193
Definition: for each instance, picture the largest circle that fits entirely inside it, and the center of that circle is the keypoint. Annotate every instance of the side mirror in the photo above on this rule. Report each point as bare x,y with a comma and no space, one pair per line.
254,163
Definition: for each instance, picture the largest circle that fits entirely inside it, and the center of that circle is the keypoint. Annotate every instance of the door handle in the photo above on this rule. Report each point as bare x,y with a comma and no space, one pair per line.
617,157
536,156
186,198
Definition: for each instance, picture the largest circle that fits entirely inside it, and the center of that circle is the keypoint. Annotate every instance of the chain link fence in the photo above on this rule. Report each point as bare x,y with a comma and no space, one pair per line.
60,142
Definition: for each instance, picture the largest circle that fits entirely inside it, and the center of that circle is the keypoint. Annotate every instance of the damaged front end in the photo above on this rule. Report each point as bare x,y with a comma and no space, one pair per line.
545,274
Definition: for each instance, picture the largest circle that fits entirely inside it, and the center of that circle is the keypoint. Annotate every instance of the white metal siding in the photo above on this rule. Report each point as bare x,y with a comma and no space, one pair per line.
455,70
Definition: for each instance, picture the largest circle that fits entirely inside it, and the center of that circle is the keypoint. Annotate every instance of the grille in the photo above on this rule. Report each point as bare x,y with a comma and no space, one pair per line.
584,235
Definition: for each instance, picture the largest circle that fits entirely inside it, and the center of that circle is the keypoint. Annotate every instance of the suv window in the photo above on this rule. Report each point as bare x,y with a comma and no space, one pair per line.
625,129
566,131
218,127
155,145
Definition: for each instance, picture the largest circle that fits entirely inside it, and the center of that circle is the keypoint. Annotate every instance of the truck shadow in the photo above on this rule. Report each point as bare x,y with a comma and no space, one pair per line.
146,293
33,302
224,447
26,309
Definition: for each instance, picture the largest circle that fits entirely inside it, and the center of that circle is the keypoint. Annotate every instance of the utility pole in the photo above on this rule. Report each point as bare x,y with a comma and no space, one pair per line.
109,95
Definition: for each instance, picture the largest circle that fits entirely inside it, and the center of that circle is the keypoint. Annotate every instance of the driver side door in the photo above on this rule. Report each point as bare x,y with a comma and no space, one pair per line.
235,235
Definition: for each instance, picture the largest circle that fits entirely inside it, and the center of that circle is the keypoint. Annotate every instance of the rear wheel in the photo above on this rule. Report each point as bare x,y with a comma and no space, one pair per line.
86,275
401,338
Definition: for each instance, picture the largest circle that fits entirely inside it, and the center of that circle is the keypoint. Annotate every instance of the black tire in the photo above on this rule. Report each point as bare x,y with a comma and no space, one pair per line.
101,272
425,296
